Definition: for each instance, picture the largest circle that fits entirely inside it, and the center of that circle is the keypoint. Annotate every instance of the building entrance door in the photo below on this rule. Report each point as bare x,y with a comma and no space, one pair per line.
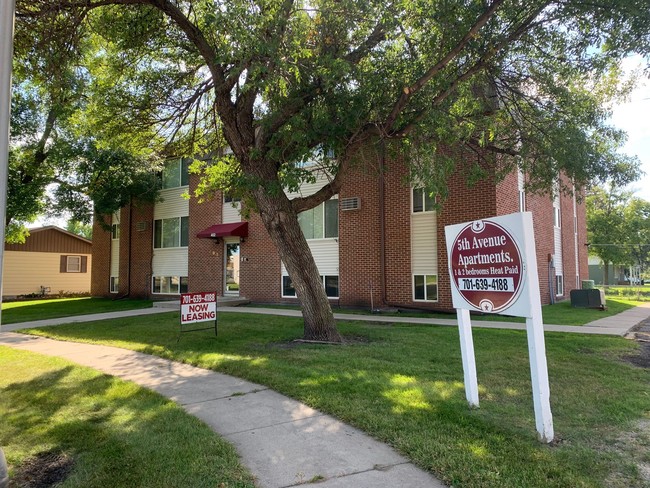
231,275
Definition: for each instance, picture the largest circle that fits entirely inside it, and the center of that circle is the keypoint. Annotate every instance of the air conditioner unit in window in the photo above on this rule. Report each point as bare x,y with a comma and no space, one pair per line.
350,203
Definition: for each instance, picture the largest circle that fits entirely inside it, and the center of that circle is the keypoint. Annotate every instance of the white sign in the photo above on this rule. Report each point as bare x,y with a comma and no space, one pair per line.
493,269
198,307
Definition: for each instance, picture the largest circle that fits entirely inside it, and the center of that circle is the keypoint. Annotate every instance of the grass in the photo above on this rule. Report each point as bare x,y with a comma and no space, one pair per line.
26,311
561,313
403,384
117,434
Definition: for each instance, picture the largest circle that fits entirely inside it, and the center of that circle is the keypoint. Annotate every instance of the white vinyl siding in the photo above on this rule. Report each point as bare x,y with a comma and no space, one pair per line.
115,247
26,272
326,255
520,189
173,261
424,247
170,262
307,189
557,233
231,213
172,204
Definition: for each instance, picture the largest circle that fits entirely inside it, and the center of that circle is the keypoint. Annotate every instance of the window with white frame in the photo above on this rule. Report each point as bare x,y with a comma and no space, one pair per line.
230,199
115,231
115,284
169,285
173,232
522,201
322,221
425,288
73,264
559,285
422,201
330,282
175,173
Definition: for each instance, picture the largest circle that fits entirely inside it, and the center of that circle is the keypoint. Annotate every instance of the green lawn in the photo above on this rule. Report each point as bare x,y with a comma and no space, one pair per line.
26,311
561,313
114,433
403,384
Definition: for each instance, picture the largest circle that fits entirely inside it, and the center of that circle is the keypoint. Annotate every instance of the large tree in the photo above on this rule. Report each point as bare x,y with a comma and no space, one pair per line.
283,82
56,165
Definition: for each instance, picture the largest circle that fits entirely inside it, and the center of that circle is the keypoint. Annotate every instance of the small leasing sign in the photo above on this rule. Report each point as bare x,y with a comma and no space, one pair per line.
198,307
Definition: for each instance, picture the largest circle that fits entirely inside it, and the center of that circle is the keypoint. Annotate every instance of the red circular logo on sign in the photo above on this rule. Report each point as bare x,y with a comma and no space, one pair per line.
486,266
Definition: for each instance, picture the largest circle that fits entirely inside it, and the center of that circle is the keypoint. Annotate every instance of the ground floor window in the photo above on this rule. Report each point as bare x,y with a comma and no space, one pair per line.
115,284
331,284
425,288
559,285
169,285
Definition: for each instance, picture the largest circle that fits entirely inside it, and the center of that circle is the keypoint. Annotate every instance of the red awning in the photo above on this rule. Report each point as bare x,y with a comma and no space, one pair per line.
239,229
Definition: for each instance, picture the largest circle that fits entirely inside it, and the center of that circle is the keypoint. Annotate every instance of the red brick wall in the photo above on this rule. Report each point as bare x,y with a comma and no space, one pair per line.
205,256
359,238
259,269
541,206
141,252
463,204
101,267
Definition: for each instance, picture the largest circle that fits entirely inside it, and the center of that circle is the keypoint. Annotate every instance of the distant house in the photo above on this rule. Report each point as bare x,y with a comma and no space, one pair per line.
52,260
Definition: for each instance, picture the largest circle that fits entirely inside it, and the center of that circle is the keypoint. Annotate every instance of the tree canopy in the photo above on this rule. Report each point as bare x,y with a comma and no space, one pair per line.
280,82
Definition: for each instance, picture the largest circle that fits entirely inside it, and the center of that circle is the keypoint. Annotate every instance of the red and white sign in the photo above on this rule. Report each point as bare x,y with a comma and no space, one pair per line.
198,307
486,266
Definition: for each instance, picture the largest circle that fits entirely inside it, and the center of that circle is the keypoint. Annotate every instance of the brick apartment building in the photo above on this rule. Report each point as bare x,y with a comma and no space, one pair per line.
379,243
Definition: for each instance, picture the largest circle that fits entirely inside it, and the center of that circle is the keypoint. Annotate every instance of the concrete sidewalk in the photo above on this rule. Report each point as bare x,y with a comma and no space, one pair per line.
283,442
618,325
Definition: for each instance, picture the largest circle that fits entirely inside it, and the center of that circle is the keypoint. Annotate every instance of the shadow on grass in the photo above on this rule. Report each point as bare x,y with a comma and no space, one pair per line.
118,434
402,384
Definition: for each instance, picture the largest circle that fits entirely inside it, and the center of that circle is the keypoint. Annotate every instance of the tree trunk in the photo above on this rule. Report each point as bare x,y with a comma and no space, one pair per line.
606,273
281,222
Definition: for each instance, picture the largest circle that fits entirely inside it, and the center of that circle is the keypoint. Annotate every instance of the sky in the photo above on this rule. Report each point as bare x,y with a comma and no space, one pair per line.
634,118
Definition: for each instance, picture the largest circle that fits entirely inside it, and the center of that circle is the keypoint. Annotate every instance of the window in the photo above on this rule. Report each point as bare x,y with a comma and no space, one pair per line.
331,284
230,199
170,285
322,221
73,264
115,231
559,285
115,284
425,288
422,201
522,201
174,232
556,217
175,173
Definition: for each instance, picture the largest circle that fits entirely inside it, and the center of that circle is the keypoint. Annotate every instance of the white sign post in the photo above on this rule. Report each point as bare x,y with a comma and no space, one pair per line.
493,269
198,307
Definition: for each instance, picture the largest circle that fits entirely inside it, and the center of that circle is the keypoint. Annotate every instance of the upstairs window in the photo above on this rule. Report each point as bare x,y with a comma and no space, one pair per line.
322,221
175,173
172,232
422,201
557,222
115,231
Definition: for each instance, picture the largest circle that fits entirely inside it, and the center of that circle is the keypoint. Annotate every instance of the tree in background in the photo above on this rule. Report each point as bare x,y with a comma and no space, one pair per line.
605,225
287,83
618,226
636,232
80,229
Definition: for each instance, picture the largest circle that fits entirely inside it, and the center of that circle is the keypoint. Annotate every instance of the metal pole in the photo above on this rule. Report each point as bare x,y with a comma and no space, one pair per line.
7,11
